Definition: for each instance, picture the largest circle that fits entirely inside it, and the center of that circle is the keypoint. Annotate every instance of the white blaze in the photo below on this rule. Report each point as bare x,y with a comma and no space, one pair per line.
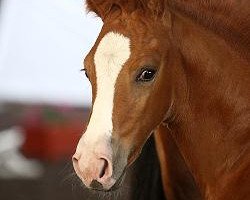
111,54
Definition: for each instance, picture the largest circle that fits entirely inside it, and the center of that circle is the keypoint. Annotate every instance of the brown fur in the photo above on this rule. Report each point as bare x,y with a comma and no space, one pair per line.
178,181
202,52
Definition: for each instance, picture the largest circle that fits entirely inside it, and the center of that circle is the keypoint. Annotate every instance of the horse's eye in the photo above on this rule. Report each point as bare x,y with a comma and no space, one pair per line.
146,74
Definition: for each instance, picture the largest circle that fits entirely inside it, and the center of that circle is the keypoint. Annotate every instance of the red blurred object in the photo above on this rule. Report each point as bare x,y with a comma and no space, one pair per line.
50,141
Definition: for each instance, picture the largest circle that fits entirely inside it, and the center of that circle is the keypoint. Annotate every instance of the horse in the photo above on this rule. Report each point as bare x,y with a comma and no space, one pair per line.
178,69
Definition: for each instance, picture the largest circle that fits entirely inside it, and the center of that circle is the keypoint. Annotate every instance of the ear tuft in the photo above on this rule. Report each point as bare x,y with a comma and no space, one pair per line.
103,7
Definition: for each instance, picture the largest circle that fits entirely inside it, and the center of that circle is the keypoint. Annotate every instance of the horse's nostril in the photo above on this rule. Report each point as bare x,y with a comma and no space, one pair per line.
104,168
74,159
75,163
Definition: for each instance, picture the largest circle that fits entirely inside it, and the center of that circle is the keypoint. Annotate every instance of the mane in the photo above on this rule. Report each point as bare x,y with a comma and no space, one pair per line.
104,7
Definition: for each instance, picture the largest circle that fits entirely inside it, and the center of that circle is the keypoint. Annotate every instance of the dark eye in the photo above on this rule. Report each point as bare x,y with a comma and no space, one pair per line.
146,74
85,71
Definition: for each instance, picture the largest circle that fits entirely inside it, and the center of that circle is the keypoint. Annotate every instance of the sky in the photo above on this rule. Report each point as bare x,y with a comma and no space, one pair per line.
42,47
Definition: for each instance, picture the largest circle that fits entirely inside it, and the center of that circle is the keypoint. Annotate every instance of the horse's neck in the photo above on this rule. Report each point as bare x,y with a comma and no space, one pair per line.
228,19
212,124
178,182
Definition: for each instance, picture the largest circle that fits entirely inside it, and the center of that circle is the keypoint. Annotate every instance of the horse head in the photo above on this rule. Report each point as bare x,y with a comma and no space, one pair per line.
132,74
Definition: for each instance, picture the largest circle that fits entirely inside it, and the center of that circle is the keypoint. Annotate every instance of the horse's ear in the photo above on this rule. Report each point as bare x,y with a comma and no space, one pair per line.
102,7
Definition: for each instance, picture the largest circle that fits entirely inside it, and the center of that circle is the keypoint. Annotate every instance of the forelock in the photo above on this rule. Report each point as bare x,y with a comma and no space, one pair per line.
104,7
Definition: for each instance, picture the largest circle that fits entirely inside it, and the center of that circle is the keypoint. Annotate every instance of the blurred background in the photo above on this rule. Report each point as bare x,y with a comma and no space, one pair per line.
44,104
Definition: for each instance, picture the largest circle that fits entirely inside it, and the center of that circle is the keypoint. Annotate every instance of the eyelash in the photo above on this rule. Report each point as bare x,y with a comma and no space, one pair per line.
84,70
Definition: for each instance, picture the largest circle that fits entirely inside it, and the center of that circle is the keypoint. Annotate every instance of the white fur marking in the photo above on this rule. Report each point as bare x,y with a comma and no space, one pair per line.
111,54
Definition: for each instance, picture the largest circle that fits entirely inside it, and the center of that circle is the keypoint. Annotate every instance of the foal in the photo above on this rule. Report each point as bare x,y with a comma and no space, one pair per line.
181,69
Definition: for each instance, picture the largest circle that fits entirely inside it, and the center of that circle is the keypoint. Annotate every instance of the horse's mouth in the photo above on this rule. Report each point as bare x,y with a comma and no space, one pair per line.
98,187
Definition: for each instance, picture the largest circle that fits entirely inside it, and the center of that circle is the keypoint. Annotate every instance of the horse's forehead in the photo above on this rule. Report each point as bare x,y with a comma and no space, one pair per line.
111,54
